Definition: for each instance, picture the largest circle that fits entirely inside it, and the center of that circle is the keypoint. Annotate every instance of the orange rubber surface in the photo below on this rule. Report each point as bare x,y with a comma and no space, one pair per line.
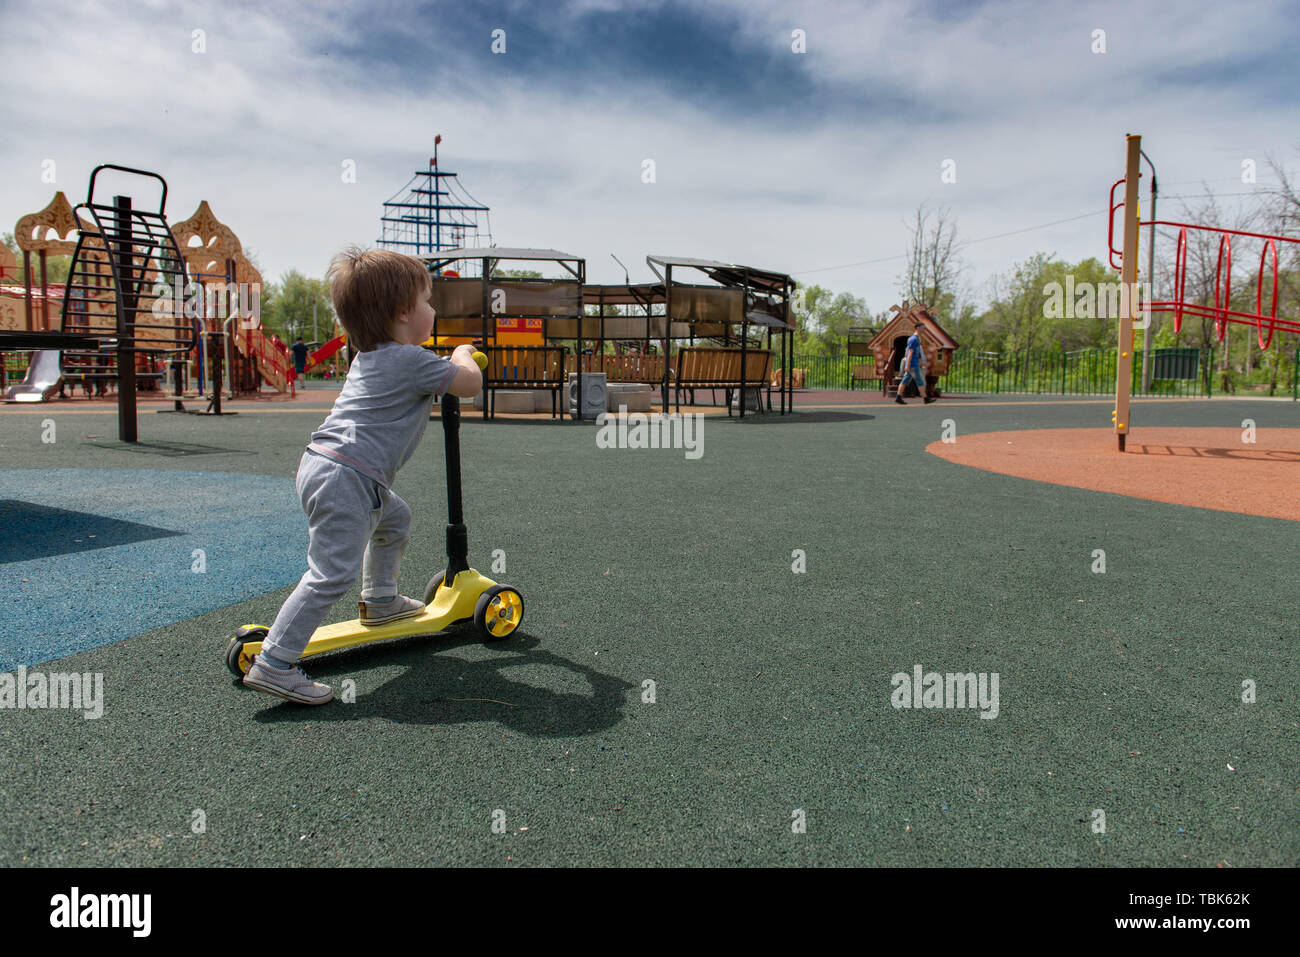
1206,467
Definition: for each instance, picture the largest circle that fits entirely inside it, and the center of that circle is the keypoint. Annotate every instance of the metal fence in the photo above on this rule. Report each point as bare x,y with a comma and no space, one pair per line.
1083,372
823,372
1177,372
1180,372
14,365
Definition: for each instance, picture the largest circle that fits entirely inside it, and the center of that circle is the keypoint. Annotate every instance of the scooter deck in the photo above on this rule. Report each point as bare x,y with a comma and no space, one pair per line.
449,606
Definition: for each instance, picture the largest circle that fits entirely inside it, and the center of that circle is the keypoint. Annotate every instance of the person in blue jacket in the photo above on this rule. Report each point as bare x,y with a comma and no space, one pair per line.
914,366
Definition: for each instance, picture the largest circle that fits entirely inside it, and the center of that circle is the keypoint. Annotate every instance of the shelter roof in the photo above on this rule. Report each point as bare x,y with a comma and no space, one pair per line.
500,252
726,274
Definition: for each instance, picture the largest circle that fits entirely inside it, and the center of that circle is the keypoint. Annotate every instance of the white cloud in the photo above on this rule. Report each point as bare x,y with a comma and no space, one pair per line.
260,123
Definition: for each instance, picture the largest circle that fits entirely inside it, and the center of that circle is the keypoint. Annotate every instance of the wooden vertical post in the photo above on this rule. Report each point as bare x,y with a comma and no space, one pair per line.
27,286
45,297
1128,280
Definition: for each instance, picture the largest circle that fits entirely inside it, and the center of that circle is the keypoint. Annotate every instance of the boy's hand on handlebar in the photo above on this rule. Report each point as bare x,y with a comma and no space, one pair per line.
468,380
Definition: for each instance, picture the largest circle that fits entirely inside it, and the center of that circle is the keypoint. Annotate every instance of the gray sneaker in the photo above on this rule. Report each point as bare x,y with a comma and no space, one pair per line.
291,685
375,612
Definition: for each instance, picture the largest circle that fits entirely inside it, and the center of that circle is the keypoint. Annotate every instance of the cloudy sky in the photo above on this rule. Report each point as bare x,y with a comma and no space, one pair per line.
807,162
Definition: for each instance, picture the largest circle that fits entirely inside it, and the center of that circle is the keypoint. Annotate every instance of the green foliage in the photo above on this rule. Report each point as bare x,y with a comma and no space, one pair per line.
1044,302
823,319
287,307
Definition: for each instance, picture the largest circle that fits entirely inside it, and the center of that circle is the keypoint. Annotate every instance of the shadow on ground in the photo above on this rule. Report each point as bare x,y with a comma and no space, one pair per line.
169,449
504,419
442,689
824,415
34,531
1195,451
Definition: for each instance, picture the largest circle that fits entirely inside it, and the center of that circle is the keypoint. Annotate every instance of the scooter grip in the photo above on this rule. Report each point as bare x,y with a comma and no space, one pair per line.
480,360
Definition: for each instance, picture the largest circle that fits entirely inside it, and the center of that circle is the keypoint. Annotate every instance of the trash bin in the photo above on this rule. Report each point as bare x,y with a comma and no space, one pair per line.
753,399
594,398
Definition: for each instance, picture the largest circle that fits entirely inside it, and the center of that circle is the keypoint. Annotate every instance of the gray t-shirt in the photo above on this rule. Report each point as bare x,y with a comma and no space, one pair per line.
382,411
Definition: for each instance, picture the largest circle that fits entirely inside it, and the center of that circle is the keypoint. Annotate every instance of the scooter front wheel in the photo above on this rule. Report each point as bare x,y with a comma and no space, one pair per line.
498,612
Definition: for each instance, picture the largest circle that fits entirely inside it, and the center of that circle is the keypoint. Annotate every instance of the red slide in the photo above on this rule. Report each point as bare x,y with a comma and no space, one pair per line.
325,351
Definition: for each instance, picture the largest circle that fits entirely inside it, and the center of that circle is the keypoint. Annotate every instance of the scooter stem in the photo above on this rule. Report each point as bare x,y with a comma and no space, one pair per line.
457,534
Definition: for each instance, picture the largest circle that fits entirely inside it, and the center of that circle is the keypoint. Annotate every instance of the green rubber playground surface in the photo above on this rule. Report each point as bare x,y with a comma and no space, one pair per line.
1118,692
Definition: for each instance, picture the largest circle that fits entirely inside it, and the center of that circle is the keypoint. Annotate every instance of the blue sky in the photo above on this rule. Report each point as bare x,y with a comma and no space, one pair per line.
784,160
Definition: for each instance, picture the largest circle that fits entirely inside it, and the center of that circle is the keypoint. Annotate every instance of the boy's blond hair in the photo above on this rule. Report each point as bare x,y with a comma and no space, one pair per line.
370,288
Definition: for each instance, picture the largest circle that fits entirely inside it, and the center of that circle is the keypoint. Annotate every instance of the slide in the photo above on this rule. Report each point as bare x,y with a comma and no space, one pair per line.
325,352
44,370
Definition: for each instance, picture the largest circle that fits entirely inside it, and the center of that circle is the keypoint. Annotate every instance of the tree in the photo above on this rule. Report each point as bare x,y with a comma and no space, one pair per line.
1090,320
933,266
1280,214
287,307
969,328
1016,313
823,319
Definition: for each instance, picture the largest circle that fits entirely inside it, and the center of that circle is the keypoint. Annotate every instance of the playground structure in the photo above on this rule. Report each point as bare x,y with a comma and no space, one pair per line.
29,315
44,376
433,212
50,232
32,233
516,320
226,296
123,254
630,319
44,372
217,294
1221,312
537,332
741,298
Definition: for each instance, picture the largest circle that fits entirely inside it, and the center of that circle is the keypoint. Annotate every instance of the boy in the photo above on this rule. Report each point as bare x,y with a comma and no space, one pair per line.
356,522
913,365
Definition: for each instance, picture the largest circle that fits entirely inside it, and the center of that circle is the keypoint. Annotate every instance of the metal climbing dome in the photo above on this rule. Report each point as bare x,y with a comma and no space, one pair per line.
433,213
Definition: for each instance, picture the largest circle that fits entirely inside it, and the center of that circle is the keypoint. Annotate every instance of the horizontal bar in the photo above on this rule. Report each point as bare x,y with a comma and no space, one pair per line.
1217,229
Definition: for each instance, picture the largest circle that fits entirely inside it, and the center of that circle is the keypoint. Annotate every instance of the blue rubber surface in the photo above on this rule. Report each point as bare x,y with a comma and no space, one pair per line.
92,556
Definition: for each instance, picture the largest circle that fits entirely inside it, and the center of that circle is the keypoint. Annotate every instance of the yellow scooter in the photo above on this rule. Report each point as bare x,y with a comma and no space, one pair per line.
457,593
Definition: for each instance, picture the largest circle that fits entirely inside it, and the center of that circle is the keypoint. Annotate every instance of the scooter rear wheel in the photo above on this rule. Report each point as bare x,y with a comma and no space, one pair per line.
498,612
432,588
235,659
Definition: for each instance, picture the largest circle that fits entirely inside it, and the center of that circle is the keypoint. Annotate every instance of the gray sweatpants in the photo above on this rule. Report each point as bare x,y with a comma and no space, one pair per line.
355,526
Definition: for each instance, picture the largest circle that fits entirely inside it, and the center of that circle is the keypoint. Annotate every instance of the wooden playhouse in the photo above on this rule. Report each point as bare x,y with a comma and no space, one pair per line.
889,345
